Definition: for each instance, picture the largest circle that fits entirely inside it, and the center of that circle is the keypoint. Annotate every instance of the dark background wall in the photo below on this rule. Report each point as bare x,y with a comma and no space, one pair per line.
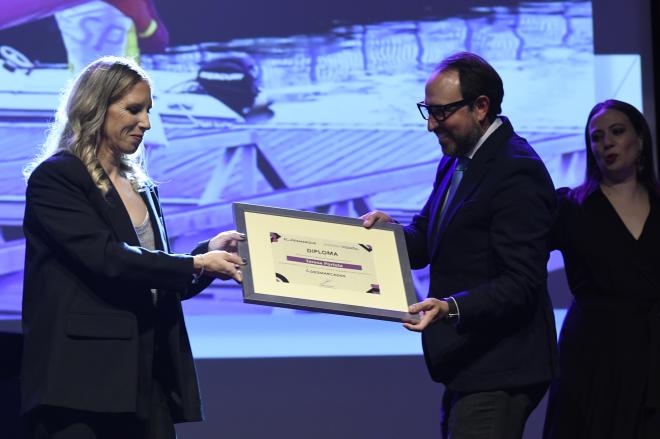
632,27
323,398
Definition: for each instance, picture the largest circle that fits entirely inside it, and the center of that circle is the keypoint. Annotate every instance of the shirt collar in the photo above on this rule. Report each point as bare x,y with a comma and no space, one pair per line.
491,129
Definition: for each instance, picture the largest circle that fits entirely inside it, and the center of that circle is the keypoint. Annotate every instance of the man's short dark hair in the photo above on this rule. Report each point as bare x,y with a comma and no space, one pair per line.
477,78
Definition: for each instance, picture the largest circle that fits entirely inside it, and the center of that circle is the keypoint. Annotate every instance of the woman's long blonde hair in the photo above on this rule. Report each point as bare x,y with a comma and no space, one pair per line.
80,116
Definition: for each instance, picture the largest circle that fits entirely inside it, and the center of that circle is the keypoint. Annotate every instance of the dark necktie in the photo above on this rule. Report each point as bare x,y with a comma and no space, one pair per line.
457,176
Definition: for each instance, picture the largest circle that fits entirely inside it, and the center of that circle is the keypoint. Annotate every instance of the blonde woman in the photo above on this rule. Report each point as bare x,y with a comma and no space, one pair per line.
106,352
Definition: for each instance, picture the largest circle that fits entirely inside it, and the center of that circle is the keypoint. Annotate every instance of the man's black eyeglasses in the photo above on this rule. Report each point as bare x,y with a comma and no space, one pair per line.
441,112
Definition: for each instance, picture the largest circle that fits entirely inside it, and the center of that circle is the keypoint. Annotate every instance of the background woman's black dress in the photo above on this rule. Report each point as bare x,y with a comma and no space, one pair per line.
609,383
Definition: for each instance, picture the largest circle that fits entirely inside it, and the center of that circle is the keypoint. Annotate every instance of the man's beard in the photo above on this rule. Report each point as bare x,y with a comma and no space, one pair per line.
462,145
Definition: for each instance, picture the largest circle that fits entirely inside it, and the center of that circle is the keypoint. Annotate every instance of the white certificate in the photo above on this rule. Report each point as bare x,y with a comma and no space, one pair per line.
328,264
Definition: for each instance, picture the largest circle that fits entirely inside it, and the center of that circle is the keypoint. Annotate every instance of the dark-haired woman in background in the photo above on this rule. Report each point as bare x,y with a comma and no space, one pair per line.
608,230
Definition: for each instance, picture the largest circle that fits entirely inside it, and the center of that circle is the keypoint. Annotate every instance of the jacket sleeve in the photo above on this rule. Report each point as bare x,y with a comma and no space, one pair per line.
556,239
197,285
415,234
523,212
58,208
417,231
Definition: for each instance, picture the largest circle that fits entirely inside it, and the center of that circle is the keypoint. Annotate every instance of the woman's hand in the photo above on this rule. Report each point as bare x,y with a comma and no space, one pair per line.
226,241
219,264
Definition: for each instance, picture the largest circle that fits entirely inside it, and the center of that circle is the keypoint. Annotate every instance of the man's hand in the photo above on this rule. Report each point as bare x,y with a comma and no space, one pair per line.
431,309
226,241
371,218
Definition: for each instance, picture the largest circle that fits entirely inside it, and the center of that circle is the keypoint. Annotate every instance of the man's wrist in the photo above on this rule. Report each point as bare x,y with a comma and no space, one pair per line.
453,313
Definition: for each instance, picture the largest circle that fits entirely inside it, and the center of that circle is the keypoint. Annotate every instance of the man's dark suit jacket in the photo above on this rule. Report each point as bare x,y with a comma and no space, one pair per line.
490,254
88,316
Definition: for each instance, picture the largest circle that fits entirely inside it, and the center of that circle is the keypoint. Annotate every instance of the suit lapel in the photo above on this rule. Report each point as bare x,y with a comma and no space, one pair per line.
118,218
149,197
474,174
445,171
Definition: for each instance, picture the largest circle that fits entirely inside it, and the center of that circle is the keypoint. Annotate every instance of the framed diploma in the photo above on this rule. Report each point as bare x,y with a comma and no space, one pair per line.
325,263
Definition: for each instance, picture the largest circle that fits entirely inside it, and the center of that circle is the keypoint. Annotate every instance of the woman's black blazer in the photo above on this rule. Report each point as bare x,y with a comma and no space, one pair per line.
89,320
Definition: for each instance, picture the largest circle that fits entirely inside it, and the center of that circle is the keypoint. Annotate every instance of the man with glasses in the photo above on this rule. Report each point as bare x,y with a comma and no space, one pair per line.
487,325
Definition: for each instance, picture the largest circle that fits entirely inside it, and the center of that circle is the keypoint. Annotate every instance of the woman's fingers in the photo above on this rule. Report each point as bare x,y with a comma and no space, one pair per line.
227,241
224,265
